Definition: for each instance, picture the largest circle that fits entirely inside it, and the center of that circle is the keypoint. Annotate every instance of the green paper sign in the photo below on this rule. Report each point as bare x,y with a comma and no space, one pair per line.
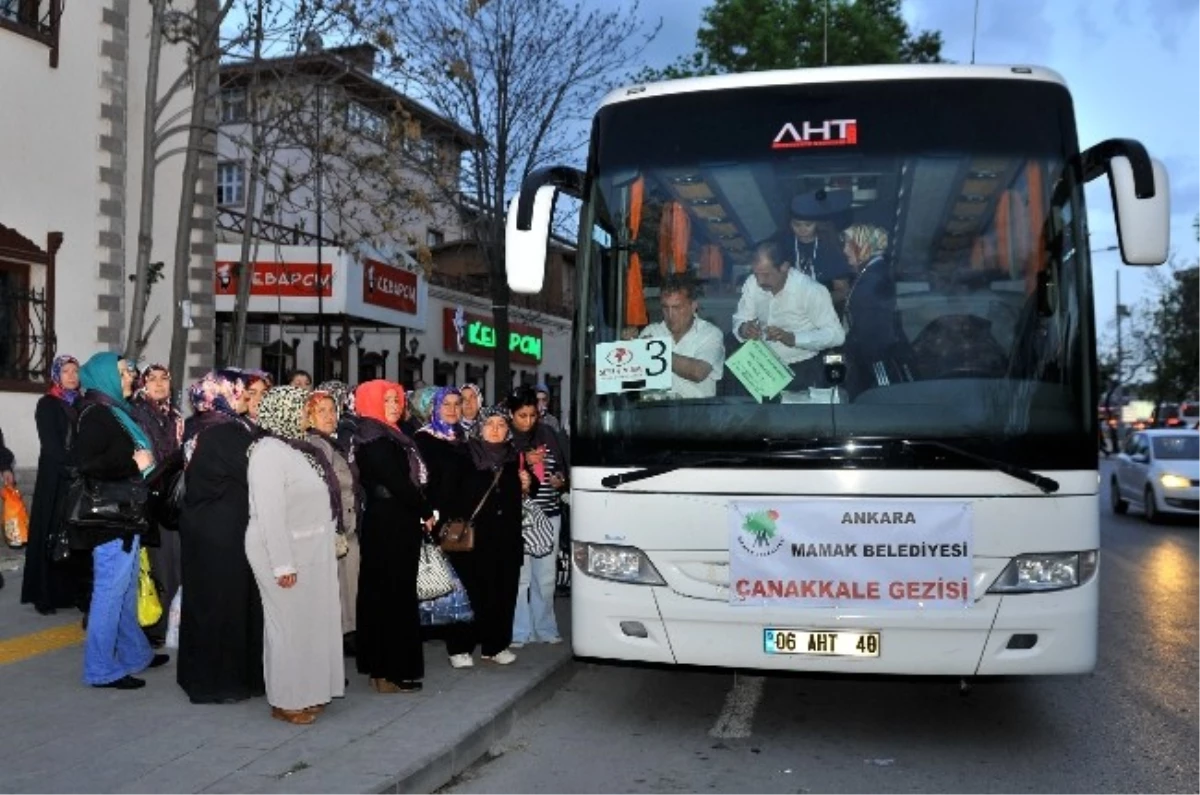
759,370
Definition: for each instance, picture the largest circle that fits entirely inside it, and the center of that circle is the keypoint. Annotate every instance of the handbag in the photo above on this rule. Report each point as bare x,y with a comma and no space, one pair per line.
537,530
149,608
108,504
433,573
453,608
169,500
458,535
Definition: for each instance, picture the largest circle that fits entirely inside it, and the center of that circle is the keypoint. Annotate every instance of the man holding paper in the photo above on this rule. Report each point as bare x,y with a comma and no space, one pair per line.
791,312
697,347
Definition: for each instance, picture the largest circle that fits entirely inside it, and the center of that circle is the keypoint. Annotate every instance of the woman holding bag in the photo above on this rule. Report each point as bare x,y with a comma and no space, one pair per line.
393,476
110,446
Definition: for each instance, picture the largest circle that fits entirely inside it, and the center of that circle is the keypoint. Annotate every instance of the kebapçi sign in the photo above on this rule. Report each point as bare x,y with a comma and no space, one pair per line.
289,279
475,335
388,286
899,554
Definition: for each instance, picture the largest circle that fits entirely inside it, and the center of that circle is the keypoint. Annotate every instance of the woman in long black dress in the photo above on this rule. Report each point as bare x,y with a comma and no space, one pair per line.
221,628
46,584
156,414
393,474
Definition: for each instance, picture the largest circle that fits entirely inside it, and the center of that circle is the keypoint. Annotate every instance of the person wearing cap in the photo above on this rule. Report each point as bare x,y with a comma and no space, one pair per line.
789,311
815,248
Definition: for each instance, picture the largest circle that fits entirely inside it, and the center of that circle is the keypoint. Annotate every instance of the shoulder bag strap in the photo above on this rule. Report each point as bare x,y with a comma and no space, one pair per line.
486,494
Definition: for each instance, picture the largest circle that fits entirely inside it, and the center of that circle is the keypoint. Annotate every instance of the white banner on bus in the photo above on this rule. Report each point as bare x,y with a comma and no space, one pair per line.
896,554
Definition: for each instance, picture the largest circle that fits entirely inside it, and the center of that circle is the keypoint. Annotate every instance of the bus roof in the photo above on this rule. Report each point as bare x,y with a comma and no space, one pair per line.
832,74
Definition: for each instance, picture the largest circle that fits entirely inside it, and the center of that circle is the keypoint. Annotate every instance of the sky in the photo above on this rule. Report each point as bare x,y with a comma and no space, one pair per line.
1131,66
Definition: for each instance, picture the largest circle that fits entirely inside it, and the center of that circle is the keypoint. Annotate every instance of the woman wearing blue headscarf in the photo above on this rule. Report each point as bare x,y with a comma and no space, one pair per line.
110,445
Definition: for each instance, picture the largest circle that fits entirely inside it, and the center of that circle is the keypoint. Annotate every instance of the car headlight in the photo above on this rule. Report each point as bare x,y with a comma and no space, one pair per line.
1046,572
616,563
1174,481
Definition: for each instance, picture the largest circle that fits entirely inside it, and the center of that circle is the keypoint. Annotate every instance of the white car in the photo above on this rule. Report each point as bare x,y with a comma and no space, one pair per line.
1158,470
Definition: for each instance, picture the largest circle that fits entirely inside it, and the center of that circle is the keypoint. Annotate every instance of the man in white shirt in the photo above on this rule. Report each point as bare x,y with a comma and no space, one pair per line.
793,313
698,347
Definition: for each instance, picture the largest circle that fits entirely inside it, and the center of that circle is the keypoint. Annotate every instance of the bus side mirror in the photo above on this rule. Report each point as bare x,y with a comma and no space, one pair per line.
525,249
1143,224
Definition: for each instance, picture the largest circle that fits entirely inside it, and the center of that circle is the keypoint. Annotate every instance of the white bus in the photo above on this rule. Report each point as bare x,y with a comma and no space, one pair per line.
939,518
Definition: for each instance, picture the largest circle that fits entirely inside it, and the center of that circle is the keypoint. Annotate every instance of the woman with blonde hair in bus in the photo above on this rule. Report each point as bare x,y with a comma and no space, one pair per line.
874,340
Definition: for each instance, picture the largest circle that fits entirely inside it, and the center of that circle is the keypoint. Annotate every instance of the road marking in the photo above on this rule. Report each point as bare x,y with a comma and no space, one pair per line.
737,716
24,647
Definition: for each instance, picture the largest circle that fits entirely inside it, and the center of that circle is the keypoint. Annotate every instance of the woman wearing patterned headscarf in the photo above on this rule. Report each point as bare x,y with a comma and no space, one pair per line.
393,477
420,408
295,511
321,427
472,404
343,401
487,477
156,414
872,325
46,584
221,632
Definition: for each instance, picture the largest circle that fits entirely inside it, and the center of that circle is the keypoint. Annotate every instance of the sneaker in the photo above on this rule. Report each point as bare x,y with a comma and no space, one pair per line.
504,657
517,644
553,641
461,661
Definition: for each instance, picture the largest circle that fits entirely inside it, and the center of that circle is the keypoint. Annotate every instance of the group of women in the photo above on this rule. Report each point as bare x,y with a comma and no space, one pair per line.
302,525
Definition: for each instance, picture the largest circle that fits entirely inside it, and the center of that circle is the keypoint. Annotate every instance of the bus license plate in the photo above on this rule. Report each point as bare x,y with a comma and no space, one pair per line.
825,643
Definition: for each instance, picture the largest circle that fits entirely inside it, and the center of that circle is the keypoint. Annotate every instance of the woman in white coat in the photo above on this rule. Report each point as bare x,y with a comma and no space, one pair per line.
294,513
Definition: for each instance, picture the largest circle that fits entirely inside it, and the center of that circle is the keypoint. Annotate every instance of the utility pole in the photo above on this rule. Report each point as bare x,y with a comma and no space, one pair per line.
825,62
974,31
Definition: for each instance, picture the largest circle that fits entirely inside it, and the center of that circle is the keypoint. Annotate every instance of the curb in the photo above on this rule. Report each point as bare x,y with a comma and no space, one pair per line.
437,769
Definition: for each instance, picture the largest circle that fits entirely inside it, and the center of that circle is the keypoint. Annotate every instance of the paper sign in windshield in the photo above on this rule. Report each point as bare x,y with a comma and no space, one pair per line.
759,370
633,365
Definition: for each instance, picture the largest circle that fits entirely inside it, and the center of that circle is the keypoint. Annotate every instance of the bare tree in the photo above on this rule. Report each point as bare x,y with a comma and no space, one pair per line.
522,76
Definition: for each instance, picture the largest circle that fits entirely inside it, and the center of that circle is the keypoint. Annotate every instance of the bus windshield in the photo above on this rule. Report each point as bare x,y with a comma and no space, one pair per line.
926,234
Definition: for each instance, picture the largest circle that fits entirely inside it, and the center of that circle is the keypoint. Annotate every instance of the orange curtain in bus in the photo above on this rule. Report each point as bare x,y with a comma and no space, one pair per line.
1034,186
1001,224
712,262
674,232
635,296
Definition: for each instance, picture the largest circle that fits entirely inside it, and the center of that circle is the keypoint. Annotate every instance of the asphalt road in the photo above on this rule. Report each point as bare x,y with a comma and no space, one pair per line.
1132,726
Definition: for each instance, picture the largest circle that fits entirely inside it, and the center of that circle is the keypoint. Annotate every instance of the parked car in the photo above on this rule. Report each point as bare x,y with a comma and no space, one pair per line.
1158,471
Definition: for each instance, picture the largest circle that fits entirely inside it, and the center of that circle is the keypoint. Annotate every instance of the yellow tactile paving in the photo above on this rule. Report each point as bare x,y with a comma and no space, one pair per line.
23,647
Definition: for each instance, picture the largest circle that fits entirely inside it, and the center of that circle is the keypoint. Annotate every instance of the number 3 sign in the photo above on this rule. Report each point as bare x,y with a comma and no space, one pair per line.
633,365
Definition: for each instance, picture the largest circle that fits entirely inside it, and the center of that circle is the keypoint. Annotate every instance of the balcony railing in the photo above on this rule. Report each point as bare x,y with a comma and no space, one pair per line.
35,19
26,339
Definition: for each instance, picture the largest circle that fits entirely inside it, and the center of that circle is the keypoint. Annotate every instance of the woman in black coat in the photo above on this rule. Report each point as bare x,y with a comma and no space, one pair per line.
482,476
874,341
392,473
47,584
221,627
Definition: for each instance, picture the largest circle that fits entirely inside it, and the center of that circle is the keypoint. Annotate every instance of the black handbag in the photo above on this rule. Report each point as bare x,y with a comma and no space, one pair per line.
108,504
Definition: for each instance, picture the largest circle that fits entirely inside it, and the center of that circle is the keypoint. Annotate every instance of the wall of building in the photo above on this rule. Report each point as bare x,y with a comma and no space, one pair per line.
70,150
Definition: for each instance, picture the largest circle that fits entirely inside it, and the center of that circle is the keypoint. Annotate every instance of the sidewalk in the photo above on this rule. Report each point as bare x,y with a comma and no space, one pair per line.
60,736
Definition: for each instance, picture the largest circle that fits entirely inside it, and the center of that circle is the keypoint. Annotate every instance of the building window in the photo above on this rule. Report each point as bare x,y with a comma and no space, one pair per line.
35,19
371,366
366,122
434,237
278,359
423,150
445,373
231,184
27,278
233,105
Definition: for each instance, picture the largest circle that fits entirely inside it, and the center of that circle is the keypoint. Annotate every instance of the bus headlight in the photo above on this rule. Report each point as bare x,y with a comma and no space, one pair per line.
617,563
1046,572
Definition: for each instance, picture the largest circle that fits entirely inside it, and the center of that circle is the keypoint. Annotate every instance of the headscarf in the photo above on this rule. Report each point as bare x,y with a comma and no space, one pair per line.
252,377
867,241
159,418
467,424
540,408
343,396
490,456
218,391
68,396
281,414
102,383
435,425
369,400
421,405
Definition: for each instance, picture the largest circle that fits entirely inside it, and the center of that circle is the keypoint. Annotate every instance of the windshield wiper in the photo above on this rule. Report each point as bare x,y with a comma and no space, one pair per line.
1047,485
612,481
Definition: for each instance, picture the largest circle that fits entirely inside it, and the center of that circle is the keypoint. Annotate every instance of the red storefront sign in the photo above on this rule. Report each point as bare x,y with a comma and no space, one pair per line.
286,279
475,335
389,287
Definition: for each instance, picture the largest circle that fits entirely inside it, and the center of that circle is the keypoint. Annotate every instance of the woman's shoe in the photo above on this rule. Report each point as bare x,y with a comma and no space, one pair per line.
384,686
502,657
461,661
298,717
47,611
315,709
409,686
125,683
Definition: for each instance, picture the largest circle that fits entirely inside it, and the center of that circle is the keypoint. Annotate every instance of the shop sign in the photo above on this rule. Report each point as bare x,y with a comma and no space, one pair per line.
286,279
389,287
475,335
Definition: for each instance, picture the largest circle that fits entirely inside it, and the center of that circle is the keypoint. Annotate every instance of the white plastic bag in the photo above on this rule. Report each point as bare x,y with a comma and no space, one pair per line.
173,616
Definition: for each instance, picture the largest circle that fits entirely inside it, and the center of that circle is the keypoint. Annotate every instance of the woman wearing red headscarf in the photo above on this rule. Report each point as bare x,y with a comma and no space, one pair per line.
393,475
